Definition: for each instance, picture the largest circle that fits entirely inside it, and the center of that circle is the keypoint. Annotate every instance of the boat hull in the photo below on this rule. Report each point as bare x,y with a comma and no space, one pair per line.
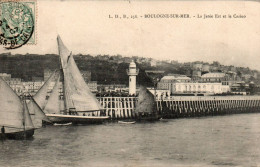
27,134
74,119
127,122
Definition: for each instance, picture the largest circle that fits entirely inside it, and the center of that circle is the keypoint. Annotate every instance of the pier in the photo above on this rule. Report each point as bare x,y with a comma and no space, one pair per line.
182,106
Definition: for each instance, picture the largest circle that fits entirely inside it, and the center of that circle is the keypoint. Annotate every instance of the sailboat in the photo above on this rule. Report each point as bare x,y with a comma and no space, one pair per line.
15,120
76,104
38,102
146,106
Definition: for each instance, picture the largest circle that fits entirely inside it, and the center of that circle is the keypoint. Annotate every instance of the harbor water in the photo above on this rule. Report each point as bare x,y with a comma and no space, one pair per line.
231,140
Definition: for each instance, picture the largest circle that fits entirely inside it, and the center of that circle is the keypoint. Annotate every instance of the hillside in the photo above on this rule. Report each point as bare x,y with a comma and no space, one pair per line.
104,68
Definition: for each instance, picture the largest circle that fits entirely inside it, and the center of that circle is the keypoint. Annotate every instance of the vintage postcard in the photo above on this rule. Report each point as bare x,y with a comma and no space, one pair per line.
130,83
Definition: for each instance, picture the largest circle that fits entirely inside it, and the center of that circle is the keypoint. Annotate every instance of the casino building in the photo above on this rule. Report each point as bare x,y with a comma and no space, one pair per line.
167,81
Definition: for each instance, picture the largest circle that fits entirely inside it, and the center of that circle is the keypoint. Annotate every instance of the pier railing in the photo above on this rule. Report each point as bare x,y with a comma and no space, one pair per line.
119,107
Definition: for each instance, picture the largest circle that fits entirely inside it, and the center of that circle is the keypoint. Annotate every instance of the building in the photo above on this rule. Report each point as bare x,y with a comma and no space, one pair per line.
196,75
167,81
197,66
153,63
92,86
199,88
132,72
213,77
205,68
31,88
239,88
16,85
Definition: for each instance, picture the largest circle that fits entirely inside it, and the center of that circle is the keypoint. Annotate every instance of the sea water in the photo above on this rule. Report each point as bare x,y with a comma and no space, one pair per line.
232,140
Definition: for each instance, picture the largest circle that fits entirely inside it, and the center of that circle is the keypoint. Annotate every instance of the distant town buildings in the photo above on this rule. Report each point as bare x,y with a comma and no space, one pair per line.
200,76
31,88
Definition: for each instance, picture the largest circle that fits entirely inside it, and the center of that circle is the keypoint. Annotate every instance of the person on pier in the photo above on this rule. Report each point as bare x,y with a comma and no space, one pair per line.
2,136
3,130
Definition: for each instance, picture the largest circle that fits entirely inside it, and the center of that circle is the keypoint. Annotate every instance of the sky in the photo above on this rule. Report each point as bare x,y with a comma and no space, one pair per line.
85,27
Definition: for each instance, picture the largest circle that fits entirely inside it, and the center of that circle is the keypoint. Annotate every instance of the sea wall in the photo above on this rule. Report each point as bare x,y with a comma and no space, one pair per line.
183,106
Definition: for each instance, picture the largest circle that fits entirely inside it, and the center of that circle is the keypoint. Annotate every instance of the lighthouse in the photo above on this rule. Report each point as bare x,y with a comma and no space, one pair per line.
132,72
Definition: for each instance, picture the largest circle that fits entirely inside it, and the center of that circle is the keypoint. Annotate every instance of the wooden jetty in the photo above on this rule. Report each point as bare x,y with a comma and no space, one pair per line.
119,108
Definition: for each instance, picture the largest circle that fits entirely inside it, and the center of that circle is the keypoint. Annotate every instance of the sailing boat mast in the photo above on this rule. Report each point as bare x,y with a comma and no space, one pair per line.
22,98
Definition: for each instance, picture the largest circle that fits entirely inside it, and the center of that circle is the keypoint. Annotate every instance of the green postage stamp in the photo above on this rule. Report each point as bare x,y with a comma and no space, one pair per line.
18,23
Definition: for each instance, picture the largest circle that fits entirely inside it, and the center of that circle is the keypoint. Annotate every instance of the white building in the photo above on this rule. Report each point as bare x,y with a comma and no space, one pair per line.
167,81
203,88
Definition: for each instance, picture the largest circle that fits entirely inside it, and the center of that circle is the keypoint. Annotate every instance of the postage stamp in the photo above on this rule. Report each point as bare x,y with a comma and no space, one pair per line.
17,23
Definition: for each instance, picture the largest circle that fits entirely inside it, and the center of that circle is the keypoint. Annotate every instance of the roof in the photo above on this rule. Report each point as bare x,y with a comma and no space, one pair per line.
213,75
175,78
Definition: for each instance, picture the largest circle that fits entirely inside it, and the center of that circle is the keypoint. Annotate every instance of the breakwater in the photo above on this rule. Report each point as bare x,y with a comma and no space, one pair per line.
183,106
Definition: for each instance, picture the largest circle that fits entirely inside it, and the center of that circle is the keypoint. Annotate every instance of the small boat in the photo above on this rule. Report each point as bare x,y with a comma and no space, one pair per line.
127,122
163,120
15,120
67,124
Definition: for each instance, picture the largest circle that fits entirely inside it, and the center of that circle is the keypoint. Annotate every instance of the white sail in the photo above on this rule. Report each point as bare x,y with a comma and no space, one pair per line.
63,52
81,96
53,103
27,118
40,96
76,92
38,115
11,109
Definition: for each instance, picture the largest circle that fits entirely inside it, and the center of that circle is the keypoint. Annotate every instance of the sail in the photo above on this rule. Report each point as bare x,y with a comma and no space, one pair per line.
52,106
27,118
76,92
79,94
40,96
63,52
11,109
146,102
38,115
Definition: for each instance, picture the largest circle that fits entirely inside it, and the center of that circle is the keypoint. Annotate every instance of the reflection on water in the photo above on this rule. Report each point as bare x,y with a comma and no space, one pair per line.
211,141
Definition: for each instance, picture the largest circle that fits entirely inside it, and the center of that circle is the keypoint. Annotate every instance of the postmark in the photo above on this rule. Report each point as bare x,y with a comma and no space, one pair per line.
17,23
